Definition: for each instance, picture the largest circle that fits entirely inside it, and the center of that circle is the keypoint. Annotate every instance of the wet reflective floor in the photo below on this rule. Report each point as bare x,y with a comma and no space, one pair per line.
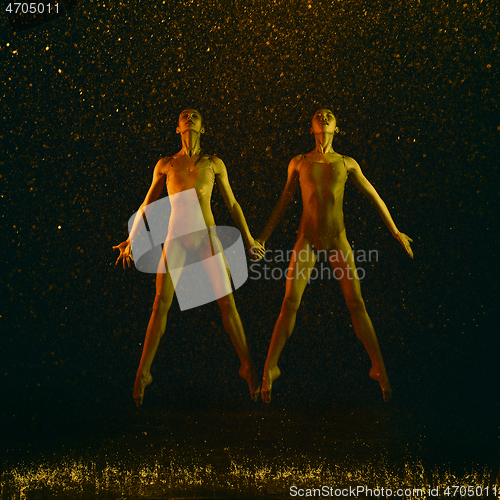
255,452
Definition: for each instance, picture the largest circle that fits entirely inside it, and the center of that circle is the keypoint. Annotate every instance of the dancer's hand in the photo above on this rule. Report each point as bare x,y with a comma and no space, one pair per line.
405,241
256,249
125,253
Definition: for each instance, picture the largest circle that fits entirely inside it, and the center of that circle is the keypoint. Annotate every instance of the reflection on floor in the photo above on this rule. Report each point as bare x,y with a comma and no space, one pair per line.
362,452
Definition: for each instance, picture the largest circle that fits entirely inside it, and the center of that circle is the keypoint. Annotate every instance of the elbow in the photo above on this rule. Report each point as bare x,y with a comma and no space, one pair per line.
234,208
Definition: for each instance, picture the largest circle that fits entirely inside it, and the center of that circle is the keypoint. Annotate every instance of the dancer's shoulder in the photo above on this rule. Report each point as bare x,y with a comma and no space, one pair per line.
162,166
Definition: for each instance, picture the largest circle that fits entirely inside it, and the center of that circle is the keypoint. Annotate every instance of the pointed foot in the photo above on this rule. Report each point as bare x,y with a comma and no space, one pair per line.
381,377
248,373
141,382
265,394
255,395
270,375
387,395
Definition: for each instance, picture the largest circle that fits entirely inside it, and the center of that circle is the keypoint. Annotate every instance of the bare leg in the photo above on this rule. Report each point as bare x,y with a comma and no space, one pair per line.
176,255
301,265
213,259
342,262
233,326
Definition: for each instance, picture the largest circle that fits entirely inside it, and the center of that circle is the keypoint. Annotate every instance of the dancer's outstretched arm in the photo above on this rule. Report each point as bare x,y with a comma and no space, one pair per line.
152,195
284,201
365,187
253,246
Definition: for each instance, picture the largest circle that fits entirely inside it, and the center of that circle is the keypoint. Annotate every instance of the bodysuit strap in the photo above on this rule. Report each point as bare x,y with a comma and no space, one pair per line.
343,159
169,169
169,164
212,168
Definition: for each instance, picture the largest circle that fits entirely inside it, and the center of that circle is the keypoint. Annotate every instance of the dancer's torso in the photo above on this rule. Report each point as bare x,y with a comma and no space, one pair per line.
322,180
183,174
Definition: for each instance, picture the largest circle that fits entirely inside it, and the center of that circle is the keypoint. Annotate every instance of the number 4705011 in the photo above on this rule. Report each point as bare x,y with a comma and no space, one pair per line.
31,8
469,491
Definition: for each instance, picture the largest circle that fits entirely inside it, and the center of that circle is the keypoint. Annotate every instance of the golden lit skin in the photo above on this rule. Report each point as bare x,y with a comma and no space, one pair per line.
189,169
322,174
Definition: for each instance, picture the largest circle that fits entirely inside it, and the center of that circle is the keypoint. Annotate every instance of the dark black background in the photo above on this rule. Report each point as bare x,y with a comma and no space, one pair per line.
89,103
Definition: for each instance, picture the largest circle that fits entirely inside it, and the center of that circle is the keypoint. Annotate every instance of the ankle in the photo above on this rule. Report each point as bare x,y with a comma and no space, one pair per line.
246,368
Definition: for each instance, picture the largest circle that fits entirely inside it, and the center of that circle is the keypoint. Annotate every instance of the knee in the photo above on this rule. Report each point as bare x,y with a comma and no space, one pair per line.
356,304
290,305
161,305
226,304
